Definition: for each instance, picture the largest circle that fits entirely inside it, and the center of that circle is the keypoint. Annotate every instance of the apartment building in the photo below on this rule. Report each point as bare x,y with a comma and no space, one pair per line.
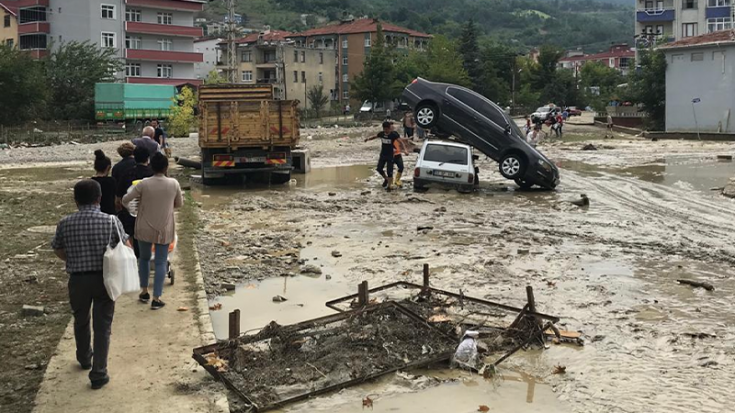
9,28
271,57
155,38
620,57
351,39
209,48
660,21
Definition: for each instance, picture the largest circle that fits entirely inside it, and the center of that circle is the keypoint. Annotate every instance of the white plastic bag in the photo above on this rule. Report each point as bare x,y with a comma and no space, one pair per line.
120,267
466,353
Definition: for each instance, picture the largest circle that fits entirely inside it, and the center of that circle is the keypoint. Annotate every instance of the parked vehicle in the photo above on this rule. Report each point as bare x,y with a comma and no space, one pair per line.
243,131
372,107
448,164
541,114
131,102
477,121
573,111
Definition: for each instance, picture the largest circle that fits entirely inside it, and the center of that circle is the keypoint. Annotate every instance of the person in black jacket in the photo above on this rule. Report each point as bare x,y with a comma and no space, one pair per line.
141,171
102,167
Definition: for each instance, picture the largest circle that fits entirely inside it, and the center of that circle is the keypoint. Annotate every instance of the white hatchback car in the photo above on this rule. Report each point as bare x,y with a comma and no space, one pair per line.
446,164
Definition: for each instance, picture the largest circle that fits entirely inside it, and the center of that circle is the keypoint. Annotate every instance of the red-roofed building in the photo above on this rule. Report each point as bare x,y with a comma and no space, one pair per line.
9,28
271,57
620,57
352,39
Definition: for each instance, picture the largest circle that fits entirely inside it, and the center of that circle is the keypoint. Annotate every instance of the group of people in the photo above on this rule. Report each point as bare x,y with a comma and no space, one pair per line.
534,128
136,199
393,147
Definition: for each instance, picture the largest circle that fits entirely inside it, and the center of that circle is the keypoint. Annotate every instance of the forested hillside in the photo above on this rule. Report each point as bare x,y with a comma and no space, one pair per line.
522,24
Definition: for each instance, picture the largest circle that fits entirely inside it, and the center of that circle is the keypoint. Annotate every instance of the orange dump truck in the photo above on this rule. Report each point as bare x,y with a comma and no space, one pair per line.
244,131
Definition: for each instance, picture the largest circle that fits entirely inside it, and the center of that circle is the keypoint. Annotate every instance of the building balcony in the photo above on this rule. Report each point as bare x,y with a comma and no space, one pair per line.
31,3
662,15
715,12
164,56
267,80
162,81
163,29
33,28
266,63
181,5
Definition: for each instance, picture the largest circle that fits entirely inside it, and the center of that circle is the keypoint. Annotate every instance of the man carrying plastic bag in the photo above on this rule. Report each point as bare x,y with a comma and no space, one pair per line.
81,240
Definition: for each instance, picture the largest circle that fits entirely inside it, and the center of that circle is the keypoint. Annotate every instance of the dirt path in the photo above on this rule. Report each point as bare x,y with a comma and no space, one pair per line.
150,360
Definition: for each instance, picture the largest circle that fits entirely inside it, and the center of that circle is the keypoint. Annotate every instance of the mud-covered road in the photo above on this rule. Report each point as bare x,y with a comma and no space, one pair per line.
609,270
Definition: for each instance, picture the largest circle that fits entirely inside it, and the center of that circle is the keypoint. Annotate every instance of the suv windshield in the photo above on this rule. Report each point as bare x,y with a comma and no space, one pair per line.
446,154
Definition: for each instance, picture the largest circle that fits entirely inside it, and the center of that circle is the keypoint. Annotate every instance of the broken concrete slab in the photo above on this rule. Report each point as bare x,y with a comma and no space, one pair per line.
32,311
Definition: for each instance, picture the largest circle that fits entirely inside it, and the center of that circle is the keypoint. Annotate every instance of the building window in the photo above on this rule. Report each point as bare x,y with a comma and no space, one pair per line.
345,60
132,70
345,44
648,30
303,57
677,58
108,40
719,23
719,3
295,76
247,57
689,29
321,58
303,77
611,62
346,78
660,29
247,76
164,45
165,71
269,56
133,42
368,40
689,4
321,77
697,57
165,18
10,43
108,11
295,56
132,15
346,95
7,20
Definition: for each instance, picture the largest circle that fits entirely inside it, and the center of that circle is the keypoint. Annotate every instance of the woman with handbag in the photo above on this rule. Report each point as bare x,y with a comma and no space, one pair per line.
155,226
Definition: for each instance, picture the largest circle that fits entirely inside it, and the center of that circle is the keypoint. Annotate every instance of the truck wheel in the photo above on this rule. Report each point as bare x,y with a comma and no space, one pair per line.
512,166
426,115
280,178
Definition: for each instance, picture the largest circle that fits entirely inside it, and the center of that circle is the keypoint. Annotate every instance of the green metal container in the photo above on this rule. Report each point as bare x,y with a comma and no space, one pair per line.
127,101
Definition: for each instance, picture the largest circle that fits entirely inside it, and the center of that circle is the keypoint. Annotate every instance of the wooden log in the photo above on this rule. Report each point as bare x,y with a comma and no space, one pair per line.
697,284
363,295
234,327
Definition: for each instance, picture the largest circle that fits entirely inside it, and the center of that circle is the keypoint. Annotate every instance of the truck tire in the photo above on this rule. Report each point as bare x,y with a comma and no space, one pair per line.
512,166
426,115
280,178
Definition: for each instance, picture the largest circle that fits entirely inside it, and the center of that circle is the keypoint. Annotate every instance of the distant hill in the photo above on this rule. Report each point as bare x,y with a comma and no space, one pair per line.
591,25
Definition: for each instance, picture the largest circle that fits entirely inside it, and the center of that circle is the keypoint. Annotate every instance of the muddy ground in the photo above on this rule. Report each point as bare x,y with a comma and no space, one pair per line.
608,271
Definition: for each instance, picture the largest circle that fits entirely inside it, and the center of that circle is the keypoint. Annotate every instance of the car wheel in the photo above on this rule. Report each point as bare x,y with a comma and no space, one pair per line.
512,166
524,184
426,115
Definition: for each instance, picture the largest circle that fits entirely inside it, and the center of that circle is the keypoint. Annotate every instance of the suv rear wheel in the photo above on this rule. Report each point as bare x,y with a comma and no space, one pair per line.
426,115
512,166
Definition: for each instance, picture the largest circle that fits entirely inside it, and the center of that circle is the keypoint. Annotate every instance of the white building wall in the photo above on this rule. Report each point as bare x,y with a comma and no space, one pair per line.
211,56
712,80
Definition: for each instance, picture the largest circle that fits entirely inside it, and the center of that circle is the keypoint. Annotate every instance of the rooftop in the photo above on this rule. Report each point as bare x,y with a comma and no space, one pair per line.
9,7
269,36
615,51
359,26
723,36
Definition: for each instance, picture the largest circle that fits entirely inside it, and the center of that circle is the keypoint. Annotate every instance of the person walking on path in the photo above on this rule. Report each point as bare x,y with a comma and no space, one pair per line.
81,240
141,171
409,125
387,148
146,141
102,167
126,163
610,126
155,226
161,138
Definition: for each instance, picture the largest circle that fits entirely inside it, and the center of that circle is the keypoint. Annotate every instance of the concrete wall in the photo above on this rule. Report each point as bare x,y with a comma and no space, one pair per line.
712,80
211,55
11,32
81,20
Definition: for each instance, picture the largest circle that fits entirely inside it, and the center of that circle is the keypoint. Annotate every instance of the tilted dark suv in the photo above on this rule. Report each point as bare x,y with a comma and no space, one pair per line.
477,121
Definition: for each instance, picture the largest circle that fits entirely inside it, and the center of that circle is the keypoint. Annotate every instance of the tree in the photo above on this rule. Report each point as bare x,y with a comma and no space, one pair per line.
376,82
561,89
648,87
599,84
72,70
317,99
444,63
22,84
498,64
470,51
214,78
545,70
182,117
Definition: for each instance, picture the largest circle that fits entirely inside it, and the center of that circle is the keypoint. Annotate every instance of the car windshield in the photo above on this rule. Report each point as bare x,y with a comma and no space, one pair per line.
446,154
543,109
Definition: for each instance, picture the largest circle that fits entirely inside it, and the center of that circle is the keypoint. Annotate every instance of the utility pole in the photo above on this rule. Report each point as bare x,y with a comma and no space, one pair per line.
231,46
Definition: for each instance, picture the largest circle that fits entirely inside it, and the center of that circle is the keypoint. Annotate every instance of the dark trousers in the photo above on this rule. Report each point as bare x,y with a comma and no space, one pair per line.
383,163
398,161
408,131
87,292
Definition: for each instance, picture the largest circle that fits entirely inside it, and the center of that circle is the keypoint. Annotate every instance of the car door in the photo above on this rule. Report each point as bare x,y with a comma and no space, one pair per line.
459,105
477,129
499,123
